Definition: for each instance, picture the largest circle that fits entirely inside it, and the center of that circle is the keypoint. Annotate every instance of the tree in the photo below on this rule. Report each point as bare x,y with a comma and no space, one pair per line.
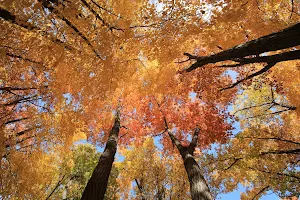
255,142
175,115
96,186
264,155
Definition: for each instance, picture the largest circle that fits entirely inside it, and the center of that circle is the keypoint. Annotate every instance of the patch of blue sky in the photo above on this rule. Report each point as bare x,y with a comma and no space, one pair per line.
83,141
41,105
270,196
119,157
158,5
92,74
132,192
240,189
232,74
68,97
22,77
157,143
193,96
69,101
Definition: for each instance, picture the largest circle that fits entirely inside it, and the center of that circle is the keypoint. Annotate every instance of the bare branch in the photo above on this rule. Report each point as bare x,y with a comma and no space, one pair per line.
99,17
23,58
17,88
260,192
161,133
263,70
288,151
254,106
234,162
193,144
277,173
105,9
288,37
16,120
266,114
56,186
292,10
271,138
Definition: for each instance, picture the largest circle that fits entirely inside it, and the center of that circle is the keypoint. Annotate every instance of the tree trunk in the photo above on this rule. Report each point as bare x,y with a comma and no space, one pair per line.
198,186
96,186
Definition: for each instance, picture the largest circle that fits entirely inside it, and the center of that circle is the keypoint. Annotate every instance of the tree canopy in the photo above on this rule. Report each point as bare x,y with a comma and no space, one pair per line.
196,97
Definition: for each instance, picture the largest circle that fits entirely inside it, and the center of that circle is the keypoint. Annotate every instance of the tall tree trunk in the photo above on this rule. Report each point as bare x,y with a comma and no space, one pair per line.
198,186
96,186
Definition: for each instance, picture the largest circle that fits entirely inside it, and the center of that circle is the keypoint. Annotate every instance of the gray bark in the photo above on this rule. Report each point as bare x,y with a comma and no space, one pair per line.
96,186
198,186
289,37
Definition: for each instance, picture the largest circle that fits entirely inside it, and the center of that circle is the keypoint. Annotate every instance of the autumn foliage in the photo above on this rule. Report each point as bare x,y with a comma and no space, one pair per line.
155,75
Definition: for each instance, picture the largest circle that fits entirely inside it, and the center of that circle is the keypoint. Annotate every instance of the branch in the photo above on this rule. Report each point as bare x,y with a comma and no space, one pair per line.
285,106
260,191
15,120
102,8
272,113
289,151
175,141
47,5
271,138
6,15
292,10
56,186
25,99
161,133
193,144
255,106
272,104
21,57
277,173
23,132
43,107
17,88
280,57
9,17
98,16
283,39
19,141
263,70
234,162
140,188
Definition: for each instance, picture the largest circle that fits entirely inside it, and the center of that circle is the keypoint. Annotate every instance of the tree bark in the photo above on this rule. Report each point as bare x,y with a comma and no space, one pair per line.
96,186
198,186
289,37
